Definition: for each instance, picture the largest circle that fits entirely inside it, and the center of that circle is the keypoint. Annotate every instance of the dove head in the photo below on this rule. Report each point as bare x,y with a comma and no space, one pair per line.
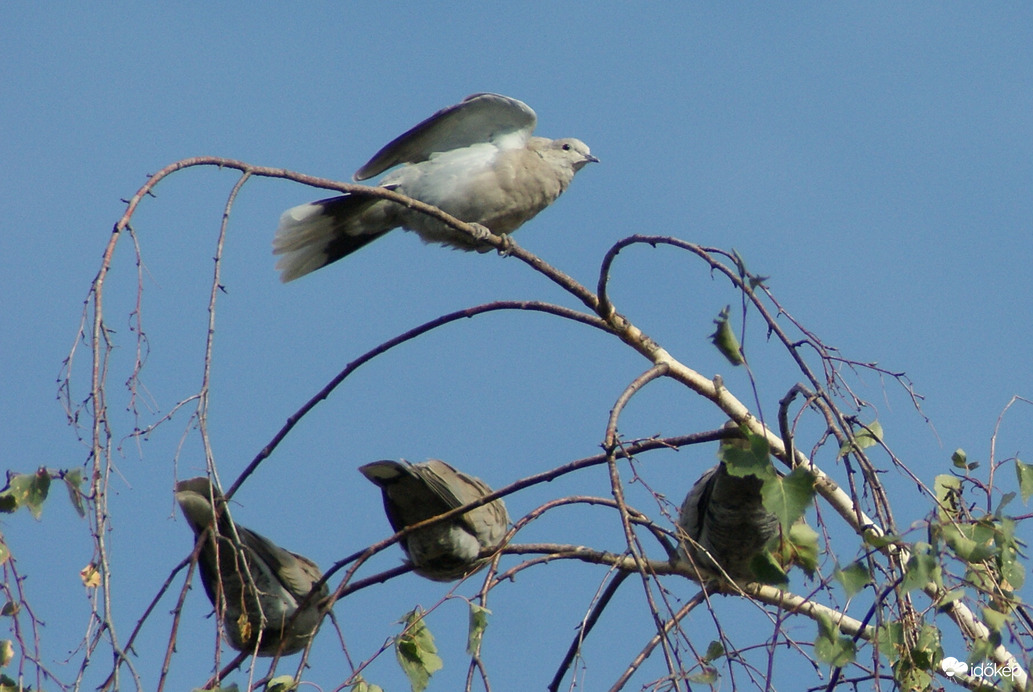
565,155
195,497
575,152
562,159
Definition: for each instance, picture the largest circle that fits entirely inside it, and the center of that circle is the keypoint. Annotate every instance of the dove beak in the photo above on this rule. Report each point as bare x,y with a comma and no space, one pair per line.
586,159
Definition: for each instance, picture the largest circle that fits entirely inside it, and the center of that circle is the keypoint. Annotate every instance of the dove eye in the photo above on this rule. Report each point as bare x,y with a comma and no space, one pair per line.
566,147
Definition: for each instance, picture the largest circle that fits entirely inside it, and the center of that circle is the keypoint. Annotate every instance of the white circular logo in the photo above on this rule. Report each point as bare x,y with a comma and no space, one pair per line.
952,666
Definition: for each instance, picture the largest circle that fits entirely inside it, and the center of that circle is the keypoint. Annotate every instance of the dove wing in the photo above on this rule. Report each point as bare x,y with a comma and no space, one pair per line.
476,119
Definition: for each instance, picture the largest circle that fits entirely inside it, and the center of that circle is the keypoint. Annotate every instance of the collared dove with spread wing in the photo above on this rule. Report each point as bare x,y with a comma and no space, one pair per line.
476,160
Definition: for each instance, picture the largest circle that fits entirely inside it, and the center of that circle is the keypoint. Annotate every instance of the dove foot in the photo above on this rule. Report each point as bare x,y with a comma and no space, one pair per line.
481,232
507,246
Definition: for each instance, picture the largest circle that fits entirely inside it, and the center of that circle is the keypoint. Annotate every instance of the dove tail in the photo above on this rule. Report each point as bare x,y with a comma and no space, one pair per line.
311,236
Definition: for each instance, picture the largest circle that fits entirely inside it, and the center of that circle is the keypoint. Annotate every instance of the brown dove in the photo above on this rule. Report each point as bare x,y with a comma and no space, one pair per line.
258,580
414,492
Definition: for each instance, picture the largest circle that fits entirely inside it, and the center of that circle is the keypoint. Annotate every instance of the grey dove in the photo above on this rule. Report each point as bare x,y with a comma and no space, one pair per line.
414,492
261,579
725,516
476,160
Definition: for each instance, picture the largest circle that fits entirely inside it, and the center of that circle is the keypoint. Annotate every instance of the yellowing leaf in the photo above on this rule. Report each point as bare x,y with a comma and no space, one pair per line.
90,576
281,683
803,540
948,496
244,627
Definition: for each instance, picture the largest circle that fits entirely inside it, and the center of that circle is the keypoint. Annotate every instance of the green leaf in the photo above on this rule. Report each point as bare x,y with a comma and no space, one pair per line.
864,437
416,652
995,620
706,676
725,340
982,531
715,650
1012,570
767,570
6,652
879,542
1005,499
73,479
361,685
281,683
889,639
1025,474
927,650
853,578
9,685
830,647
740,263
949,598
478,623
26,490
788,498
911,677
921,569
959,538
744,273
869,435
982,649
948,496
1004,531
960,459
749,456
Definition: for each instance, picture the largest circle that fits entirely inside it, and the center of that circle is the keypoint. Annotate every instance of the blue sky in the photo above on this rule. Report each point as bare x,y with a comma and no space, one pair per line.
875,160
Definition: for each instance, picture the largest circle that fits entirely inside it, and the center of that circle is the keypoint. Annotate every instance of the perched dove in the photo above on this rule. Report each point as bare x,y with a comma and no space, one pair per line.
724,514
279,580
415,492
476,160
